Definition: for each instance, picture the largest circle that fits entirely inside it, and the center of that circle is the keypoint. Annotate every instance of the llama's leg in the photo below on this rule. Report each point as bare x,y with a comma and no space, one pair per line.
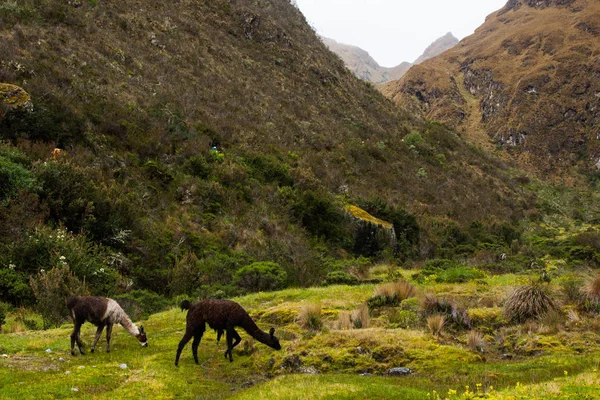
186,338
98,333
75,337
109,327
229,335
197,337
219,334
237,338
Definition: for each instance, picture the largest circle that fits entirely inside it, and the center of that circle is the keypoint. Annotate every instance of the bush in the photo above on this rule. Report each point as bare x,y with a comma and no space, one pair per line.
14,286
140,304
260,276
13,177
459,275
340,278
527,302
51,288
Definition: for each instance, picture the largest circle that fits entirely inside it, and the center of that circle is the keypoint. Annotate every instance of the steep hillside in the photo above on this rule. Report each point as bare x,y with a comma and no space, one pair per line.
366,68
527,79
169,145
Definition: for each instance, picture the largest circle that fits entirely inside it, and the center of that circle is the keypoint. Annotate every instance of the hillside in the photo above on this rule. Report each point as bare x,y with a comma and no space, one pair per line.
525,81
366,68
165,147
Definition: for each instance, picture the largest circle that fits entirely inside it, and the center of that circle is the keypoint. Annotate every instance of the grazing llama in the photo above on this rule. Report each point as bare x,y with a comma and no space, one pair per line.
102,312
220,315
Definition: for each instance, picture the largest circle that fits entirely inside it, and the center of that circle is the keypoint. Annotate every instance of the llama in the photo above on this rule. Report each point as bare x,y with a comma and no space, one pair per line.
102,312
221,315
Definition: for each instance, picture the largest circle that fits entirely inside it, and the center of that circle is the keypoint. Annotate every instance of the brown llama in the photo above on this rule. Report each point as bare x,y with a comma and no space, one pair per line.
220,315
102,312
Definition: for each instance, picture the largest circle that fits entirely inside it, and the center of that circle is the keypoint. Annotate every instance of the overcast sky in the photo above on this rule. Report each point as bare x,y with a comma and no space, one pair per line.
393,31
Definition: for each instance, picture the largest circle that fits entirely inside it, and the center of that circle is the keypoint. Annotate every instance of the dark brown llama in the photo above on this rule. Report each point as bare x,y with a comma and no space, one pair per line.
102,312
220,315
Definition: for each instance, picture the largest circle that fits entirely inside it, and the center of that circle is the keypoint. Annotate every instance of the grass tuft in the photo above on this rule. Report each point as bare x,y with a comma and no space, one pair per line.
436,324
310,316
528,302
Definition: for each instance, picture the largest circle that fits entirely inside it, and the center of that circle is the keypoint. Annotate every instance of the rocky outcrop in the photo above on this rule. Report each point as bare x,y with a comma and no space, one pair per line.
12,98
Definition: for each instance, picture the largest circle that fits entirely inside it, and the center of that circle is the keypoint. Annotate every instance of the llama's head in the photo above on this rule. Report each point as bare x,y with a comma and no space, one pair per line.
141,337
273,339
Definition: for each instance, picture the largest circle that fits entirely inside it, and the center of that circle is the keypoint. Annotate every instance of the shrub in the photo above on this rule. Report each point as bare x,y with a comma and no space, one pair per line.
14,286
260,276
404,319
51,288
310,316
140,304
436,323
459,275
340,278
528,301
13,176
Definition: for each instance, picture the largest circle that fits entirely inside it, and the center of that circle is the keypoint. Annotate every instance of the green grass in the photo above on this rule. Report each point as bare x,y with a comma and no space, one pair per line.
546,365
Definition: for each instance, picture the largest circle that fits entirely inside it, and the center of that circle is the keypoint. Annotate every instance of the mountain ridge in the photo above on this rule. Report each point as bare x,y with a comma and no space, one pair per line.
360,62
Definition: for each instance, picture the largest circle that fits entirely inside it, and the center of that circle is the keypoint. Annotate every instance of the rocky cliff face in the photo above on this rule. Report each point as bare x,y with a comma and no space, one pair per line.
366,68
527,81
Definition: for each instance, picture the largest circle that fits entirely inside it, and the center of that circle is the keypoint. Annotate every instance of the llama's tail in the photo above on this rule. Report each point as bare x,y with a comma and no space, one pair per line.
71,300
185,305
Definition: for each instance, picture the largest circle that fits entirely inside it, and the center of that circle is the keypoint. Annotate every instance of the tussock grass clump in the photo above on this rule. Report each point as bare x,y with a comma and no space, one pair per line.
310,316
457,317
527,302
475,340
391,294
436,324
344,322
361,318
591,290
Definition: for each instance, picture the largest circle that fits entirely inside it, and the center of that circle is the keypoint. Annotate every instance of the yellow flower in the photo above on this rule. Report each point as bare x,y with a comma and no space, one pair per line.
451,392
566,373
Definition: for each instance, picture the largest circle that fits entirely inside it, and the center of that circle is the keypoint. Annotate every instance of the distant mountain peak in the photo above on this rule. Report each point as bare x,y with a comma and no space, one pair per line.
439,46
361,63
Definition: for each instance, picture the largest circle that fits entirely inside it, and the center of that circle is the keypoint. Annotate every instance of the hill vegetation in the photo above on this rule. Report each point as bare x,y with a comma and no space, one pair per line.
167,147
526,81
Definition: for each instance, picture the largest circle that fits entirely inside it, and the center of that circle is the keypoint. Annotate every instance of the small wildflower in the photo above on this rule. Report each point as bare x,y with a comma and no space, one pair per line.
42,270
62,258
451,392
12,266
566,373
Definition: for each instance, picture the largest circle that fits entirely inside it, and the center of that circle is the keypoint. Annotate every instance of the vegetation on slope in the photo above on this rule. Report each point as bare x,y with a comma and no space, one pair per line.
168,147
532,69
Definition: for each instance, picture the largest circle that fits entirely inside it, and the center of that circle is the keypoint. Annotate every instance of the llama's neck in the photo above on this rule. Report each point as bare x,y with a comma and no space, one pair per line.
129,326
116,315
254,331
262,337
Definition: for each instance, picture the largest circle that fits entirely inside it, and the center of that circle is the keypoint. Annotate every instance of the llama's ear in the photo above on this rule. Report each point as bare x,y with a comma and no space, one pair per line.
272,332
142,329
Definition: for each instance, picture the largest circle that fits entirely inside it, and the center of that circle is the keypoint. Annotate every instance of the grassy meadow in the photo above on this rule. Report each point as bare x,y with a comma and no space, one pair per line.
552,357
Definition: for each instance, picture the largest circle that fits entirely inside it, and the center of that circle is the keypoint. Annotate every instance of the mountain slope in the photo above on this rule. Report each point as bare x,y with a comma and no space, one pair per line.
527,79
367,69
196,138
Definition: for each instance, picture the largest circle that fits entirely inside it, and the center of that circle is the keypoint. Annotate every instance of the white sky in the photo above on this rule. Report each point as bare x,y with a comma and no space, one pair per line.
393,31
